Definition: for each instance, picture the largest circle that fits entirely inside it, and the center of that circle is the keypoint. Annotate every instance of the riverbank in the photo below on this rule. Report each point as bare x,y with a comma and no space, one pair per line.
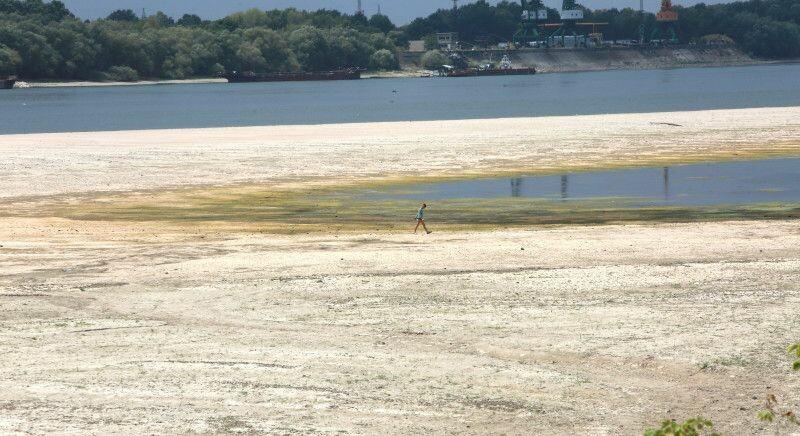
605,59
141,292
83,84
337,154
592,330
545,61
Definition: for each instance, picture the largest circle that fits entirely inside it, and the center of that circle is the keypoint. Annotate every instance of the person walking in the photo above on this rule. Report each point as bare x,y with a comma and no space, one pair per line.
421,219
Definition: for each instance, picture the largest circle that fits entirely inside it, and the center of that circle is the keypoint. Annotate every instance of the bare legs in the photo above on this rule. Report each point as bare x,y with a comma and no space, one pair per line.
420,221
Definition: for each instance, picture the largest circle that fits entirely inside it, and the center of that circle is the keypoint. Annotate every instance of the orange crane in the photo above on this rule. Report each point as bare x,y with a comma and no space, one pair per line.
667,14
666,18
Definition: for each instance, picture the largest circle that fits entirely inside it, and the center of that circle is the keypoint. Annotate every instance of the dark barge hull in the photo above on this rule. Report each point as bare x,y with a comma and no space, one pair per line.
7,83
353,74
474,72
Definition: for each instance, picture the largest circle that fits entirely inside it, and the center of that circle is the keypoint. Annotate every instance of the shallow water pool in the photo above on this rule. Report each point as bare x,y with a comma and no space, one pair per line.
707,184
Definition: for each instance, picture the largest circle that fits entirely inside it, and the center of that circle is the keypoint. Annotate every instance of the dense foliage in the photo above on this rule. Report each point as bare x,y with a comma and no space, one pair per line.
41,39
765,28
44,40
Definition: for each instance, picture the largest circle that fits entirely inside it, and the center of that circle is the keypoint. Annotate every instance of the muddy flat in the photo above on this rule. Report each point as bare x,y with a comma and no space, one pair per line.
139,295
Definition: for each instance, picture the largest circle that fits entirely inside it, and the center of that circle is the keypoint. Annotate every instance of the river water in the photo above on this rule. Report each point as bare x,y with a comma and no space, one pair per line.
775,181
36,110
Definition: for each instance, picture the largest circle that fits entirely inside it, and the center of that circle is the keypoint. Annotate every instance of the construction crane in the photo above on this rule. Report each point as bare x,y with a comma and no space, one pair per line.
666,18
570,15
570,11
533,13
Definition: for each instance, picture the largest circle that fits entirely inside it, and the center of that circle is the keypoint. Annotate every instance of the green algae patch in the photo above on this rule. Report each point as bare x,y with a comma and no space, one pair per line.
390,204
351,209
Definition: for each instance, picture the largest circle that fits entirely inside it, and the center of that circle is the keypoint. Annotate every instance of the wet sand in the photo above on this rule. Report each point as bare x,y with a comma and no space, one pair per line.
126,325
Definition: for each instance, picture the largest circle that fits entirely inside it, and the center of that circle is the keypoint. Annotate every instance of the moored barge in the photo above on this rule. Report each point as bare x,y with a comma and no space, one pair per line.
473,72
249,76
7,82
505,69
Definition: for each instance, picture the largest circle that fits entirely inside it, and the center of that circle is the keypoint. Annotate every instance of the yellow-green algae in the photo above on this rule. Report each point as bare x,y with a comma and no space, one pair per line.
347,209
336,205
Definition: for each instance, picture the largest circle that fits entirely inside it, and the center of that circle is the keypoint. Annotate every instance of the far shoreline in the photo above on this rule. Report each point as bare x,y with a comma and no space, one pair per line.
399,74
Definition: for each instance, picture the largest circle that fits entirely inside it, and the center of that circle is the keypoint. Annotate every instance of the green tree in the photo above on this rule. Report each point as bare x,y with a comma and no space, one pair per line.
774,39
123,15
189,20
9,60
265,50
159,20
434,59
122,73
382,23
310,45
383,59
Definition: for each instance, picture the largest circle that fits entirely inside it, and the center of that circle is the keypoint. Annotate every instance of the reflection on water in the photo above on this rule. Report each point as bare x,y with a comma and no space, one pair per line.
743,182
516,186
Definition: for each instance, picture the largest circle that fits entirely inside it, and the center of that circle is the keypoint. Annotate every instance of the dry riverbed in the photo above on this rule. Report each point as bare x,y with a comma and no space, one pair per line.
126,328
186,282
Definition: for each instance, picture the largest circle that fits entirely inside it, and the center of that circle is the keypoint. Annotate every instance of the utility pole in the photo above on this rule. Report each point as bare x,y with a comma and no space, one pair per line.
455,5
360,10
641,22
379,9
144,16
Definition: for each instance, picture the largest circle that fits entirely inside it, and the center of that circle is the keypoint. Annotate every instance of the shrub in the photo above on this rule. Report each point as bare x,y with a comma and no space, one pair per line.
383,59
122,73
434,59
10,60
692,427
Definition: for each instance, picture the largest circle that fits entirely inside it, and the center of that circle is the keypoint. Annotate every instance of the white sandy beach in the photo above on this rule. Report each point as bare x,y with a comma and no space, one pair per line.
62,163
90,84
156,327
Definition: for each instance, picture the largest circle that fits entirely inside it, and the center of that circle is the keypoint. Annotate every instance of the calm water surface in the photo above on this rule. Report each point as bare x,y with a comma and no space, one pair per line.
217,105
709,184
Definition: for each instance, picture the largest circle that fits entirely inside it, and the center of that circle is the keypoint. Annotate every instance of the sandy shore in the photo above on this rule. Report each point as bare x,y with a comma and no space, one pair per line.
84,84
63,163
137,323
128,329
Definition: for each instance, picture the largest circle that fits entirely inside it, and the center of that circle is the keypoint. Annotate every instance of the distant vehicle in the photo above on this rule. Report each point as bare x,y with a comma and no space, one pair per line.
7,82
249,76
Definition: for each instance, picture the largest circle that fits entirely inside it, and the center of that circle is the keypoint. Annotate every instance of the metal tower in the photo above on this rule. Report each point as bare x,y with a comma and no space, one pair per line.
455,5
360,10
570,15
533,13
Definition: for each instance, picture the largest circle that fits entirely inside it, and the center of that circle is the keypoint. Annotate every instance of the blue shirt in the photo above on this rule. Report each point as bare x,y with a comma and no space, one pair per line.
421,213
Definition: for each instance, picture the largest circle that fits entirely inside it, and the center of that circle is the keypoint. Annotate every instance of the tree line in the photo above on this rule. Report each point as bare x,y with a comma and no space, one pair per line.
40,40
764,28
